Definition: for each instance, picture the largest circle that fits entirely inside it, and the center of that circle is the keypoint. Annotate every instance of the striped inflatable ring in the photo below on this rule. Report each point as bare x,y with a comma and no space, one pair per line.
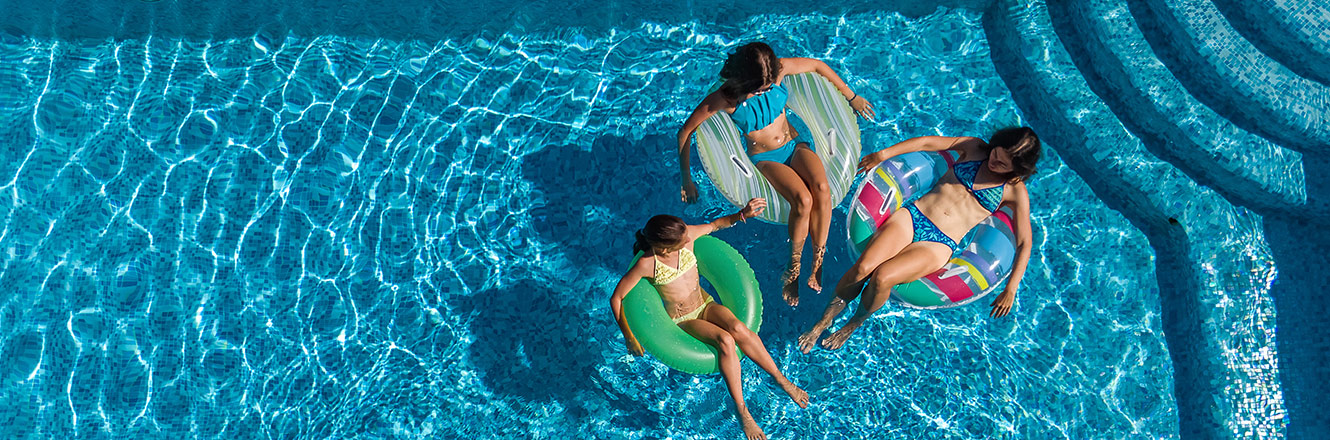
980,268
835,130
736,288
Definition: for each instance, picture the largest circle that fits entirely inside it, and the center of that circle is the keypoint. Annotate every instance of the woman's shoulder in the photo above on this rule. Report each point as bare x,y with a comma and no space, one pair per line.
645,266
793,65
970,147
717,101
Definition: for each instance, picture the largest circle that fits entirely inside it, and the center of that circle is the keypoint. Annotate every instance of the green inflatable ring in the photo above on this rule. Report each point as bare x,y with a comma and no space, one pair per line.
734,283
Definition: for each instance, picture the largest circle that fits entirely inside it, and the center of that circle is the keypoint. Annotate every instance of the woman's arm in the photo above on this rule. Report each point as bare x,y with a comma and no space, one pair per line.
754,208
861,106
1021,201
921,143
625,285
709,106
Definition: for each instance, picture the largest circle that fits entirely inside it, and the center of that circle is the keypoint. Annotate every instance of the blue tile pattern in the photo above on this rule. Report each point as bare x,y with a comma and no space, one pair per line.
1102,38
1296,33
1226,387
1224,70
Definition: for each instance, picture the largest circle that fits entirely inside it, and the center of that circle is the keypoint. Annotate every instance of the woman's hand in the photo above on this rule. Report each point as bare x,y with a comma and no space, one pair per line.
1002,305
870,161
688,193
862,107
634,347
754,208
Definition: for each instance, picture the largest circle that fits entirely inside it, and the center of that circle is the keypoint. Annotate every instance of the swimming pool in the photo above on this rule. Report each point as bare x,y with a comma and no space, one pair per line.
324,230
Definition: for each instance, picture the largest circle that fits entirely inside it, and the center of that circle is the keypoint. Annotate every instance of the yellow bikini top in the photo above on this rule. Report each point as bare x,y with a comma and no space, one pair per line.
664,274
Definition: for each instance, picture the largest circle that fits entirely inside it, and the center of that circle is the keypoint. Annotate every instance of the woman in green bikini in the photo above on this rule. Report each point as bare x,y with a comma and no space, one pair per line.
669,264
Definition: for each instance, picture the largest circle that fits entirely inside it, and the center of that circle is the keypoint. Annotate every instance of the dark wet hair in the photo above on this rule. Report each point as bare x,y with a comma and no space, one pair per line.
661,231
1024,147
747,69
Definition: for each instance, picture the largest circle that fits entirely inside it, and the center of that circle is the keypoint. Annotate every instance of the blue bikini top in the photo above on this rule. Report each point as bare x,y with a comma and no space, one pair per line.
759,111
989,198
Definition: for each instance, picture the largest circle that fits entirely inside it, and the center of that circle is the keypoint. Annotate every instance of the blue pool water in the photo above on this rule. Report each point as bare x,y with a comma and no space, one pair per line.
298,236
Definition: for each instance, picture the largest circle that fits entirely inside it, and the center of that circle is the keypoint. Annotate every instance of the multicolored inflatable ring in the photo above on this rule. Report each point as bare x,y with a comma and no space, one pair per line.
736,288
990,247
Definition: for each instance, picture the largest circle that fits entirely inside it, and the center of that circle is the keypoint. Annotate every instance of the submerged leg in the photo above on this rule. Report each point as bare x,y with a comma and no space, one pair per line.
729,369
792,188
893,236
752,345
916,260
810,168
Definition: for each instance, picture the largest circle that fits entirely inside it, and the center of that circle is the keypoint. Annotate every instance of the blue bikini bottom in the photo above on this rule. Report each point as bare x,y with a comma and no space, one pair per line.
786,152
925,230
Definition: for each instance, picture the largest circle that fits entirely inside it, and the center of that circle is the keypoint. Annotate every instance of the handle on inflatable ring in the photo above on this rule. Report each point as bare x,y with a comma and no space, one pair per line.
735,284
738,163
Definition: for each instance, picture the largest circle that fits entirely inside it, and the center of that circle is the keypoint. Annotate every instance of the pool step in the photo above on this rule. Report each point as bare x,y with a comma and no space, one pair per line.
1294,33
1116,61
1222,69
1063,108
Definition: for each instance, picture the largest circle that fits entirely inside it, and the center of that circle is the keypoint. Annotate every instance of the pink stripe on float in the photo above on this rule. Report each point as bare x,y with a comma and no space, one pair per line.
1005,215
872,200
954,287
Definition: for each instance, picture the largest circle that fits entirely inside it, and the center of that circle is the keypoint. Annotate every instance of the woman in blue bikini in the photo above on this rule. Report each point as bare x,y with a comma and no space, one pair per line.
923,236
779,144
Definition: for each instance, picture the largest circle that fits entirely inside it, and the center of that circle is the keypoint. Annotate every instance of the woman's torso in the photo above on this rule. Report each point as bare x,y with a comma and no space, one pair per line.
762,138
683,294
952,207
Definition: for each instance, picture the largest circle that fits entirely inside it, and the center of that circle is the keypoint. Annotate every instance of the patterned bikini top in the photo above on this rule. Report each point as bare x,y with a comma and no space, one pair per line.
664,274
989,198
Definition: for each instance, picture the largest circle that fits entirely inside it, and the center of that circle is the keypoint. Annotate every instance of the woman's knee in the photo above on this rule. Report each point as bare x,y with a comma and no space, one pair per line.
801,201
862,270
742,334
725,343
884,278
820,192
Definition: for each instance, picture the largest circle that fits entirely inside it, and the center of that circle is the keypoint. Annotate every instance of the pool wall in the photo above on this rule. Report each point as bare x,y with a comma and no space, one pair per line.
1172,82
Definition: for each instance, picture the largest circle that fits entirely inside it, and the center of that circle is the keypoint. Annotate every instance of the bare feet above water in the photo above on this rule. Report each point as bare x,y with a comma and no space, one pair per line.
837,339
751,429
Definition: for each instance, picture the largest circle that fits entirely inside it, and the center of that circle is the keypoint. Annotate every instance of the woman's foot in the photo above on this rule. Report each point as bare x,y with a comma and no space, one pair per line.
809,338
838,338
815,280
798,395
751,429
789,279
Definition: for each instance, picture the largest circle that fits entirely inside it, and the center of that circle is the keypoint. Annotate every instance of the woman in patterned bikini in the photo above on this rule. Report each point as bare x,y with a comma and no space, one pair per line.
923,236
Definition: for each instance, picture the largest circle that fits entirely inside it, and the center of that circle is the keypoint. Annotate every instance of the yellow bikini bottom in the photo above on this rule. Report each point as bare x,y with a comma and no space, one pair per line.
696,313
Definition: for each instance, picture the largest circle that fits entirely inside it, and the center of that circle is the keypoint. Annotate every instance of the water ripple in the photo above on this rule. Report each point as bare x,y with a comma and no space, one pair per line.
296,237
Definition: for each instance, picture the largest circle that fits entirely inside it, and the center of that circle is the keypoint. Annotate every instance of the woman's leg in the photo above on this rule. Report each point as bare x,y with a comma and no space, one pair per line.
729,368
913,262
810,168
792,188
752,345
891,237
